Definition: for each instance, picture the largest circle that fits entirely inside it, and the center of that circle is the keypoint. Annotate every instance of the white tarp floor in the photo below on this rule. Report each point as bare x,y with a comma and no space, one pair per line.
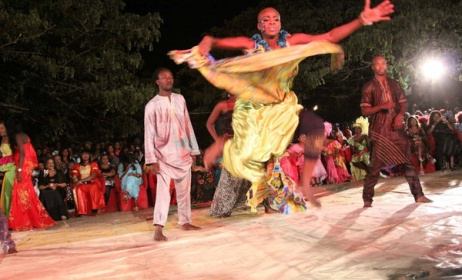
395,239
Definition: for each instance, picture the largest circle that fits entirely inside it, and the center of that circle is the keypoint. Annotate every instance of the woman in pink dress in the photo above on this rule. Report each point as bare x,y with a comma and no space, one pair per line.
293,162
341,159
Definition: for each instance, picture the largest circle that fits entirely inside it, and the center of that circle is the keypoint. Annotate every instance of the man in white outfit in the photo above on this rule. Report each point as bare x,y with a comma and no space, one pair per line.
169,143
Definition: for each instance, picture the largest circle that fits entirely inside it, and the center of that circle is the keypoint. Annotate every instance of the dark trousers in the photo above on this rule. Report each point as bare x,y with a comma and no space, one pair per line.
373,175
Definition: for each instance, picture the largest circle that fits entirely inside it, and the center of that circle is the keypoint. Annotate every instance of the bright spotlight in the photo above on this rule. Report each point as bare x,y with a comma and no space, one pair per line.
433,69
315,107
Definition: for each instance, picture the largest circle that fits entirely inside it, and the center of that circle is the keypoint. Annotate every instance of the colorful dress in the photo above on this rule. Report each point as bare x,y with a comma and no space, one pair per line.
341,165
319,170
266,110
88,195
202,182
361,155
330,151
7,166
131,184
27,211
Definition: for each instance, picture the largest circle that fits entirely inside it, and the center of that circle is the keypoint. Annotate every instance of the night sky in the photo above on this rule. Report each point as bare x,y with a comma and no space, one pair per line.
185,23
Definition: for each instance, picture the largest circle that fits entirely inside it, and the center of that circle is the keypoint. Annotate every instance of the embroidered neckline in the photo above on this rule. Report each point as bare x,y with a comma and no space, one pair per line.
259,41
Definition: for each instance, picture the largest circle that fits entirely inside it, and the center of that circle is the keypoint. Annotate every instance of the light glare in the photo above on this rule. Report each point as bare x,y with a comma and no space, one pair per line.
433,69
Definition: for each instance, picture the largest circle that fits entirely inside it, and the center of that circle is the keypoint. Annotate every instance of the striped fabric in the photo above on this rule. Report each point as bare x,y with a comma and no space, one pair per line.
386,150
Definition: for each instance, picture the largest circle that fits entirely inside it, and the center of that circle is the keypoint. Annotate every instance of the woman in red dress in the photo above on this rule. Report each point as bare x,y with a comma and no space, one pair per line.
88,191
27,211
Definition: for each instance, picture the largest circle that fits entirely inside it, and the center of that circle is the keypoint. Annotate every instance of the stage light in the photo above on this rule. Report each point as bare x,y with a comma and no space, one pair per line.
315,107
433,69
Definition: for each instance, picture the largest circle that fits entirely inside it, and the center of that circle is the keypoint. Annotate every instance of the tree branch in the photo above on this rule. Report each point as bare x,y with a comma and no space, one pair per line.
14,108
18,39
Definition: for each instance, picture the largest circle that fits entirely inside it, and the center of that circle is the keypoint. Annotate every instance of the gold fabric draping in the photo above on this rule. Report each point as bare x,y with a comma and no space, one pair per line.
266,112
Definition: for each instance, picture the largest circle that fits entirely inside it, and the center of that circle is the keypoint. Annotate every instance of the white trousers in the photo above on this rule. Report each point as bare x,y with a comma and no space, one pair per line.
183,197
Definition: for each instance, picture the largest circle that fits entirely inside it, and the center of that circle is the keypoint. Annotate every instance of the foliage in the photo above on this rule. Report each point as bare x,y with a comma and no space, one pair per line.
71,68
68,67
419,29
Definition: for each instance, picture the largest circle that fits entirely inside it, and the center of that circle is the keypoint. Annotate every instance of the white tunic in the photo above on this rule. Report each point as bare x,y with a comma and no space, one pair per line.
169,136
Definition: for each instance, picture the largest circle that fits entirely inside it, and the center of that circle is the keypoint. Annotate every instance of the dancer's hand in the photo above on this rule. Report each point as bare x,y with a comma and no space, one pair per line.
379,13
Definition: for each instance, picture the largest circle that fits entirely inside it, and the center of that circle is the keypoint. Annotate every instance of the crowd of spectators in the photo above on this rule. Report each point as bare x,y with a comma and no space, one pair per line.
435,137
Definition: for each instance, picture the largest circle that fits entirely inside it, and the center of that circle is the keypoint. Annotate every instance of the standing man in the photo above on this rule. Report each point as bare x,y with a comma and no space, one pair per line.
169,142
384,101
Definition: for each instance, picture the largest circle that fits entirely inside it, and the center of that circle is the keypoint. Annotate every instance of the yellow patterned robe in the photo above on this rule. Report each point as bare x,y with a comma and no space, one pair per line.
266,112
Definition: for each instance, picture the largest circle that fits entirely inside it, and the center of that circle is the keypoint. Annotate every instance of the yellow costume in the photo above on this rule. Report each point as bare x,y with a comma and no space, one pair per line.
266,112
7,166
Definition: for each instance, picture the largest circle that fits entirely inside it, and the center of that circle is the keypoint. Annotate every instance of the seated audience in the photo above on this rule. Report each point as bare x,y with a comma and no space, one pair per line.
130,175
88,191
108,172
53,191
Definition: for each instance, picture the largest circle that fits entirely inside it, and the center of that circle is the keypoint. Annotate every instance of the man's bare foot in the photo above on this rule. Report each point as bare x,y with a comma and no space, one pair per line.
188,226
213,152
423,199
158,235
367,204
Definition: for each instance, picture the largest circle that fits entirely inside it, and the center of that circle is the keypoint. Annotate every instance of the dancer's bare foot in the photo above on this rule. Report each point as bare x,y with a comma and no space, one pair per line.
367,204
423,199
269,210
188,226
213,152
223,216
12,251
158,235
308,195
